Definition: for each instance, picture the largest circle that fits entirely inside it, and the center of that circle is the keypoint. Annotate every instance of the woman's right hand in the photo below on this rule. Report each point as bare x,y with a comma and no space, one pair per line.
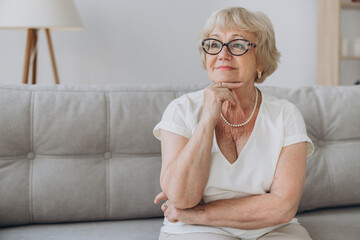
214,97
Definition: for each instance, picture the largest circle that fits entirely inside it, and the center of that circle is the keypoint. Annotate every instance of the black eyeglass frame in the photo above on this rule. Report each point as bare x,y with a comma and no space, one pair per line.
249,45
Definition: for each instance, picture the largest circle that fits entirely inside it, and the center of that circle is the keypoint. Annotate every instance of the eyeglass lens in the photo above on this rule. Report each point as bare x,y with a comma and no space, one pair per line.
236,47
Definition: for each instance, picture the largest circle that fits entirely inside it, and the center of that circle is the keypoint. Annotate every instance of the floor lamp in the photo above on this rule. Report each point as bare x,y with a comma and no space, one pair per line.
36,15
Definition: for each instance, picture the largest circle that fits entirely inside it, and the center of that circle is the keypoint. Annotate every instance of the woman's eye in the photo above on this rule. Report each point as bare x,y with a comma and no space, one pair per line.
215,45
238,46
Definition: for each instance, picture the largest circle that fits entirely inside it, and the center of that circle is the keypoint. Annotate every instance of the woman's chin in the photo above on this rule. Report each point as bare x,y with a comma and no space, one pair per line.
224,79
229,81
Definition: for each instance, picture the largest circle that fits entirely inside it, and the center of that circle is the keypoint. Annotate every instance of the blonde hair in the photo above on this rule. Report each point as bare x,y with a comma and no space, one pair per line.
258,23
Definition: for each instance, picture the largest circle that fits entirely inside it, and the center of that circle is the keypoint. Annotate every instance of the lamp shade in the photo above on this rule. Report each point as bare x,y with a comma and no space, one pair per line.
59,15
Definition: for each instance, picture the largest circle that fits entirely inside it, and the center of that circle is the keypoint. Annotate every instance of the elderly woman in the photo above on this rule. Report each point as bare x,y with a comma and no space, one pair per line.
233,158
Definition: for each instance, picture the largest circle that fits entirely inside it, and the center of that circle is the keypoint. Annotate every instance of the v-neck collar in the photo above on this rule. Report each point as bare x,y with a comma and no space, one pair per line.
247,142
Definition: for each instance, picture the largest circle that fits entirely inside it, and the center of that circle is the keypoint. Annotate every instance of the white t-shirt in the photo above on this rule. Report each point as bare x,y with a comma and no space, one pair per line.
278,124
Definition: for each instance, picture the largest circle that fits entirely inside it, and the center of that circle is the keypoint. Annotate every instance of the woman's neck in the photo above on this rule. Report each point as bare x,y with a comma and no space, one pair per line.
245,97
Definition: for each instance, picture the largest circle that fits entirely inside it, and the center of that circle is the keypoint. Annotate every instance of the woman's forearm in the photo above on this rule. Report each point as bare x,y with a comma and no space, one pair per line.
185,179
253,212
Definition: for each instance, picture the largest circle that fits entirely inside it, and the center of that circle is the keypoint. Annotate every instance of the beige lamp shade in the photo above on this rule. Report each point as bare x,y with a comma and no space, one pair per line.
55,15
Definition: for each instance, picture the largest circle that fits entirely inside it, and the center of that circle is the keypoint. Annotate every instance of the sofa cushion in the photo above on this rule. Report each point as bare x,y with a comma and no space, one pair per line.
80,153
333,223
332,118
148,229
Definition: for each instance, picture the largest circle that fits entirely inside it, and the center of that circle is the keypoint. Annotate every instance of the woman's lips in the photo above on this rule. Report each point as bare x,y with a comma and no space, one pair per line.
225,68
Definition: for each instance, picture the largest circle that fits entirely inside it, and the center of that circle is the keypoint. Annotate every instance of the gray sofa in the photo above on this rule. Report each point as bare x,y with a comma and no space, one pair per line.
81,162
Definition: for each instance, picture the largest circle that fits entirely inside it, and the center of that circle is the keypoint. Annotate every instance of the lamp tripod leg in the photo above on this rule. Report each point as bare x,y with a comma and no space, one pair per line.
52,56
28,51
34,55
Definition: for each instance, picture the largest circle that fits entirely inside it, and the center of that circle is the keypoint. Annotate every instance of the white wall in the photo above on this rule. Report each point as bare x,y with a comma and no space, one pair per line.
155,42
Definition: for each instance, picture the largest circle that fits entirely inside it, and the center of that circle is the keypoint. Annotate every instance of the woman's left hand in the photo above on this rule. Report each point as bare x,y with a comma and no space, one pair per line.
172,213
189,216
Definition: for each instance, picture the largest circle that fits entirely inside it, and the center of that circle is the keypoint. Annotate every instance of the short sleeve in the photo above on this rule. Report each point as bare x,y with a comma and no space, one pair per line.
295,129
173,120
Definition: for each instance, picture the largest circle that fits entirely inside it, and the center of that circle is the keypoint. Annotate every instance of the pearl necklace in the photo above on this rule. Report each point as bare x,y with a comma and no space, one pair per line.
252,114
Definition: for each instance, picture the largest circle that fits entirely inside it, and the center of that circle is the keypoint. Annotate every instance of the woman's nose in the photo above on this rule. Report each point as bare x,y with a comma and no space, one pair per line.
225,54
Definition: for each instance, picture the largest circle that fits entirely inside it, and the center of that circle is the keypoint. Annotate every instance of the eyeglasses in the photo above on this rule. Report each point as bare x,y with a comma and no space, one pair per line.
236,47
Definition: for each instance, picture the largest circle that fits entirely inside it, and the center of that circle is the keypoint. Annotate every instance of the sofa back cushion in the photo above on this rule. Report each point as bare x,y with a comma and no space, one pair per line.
76,153
86,153
332,117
